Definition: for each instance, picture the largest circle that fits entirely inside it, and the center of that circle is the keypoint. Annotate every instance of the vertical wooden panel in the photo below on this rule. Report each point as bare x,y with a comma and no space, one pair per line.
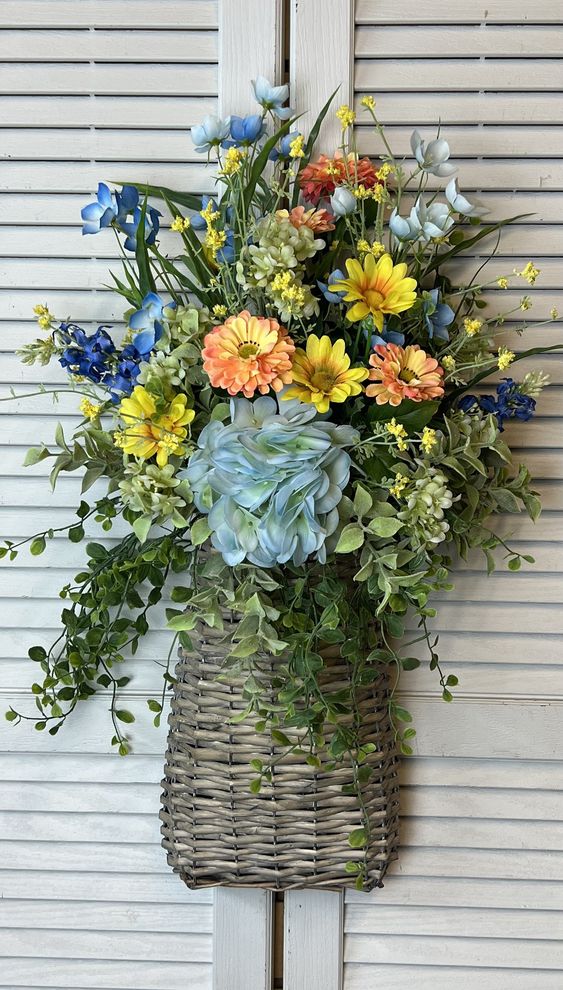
321,60
243,928
251,36
313,940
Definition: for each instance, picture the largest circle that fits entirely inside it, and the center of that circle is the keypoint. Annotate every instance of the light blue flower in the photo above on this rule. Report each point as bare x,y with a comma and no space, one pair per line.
333,297
210,133
245,130
272,97
424,223
147,322
284,146
343,201
437,315
387,337
432,157
101,213
460,204
270,481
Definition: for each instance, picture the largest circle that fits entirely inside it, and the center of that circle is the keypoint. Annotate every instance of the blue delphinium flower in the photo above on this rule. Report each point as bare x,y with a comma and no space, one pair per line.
100,214
284,147
333,297
270,481
508,403
211,133
86,354
124,378
127,202
245,131
437,315
146,321
432,157
272,97
152,226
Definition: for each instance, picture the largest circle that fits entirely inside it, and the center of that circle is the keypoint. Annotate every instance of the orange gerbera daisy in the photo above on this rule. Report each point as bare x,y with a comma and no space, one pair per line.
317,220
403,373
248,353
319,179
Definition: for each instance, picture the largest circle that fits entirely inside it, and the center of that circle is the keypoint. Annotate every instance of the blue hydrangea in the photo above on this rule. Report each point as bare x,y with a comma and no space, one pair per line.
270,481
508,403
85,354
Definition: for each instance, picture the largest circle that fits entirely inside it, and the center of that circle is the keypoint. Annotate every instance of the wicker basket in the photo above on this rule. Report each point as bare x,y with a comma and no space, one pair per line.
294,833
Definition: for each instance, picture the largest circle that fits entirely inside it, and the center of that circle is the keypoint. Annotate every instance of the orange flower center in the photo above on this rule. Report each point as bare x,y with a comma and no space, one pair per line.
248,350
374,298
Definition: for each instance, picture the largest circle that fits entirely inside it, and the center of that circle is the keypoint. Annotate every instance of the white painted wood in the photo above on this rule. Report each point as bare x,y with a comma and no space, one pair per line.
517,12
251,37
243,930
313,925
319,66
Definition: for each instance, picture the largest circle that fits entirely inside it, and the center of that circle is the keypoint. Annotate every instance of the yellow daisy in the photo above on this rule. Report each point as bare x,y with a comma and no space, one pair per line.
376,287
322,374
148,433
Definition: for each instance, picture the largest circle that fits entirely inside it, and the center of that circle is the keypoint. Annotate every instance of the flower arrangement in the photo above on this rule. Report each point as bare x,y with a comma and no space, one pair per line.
292,426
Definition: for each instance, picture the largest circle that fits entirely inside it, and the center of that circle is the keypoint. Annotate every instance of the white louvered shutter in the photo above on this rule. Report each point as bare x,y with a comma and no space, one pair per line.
95,90
477,894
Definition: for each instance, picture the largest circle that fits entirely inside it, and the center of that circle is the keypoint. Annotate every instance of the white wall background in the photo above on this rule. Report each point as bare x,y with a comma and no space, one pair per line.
89,91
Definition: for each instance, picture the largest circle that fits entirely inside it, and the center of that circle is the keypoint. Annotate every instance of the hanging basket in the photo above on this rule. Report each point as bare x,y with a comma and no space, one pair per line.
294,832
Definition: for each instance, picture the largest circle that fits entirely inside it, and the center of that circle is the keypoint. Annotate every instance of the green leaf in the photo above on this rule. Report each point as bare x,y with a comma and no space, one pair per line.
76,534
200,531
401,714
410,663
37,546
154,706
141,526
91,475
146,280
351,538
514,564
11,716
124,716
96,551
414,416
256,765
183,622
255,785
358,838
60,439
362,501
35,455
385,526
37,653
352,867
280,738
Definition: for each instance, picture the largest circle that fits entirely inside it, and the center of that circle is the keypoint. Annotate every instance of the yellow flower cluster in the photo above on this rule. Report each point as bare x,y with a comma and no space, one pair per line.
368,102
346,116
89,410
529,272
44,317
401,482
385,171
554,313
376,192
364,247
398,431
214,239
219,311
525,303
233,161
428,439
502,282
296,147
505,358
284,284
448,363
472,327
180,224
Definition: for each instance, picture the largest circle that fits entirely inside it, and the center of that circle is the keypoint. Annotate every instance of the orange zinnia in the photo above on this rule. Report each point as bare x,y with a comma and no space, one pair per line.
403,373
319,179
248,353
317,220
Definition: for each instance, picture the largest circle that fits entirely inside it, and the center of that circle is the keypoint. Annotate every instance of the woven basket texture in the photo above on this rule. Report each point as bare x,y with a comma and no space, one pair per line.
294,833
